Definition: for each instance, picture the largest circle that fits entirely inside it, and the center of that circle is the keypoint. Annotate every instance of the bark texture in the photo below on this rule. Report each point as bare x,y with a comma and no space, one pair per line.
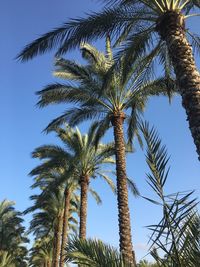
54,251
65,227
171,27
84,181
126,246
58,240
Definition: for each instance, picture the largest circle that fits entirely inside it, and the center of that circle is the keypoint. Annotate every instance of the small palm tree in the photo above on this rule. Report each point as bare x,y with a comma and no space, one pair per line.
138,21
112,97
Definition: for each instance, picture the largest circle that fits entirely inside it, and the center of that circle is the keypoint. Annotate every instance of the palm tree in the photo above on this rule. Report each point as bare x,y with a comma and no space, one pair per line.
111,97
49,173
85,159
48,221
177,234
41,253
137,21
12,236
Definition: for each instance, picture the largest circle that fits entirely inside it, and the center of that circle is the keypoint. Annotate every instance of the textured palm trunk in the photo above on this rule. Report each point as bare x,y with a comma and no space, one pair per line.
126,246
54,250
65,227
171,28
58,241
84,181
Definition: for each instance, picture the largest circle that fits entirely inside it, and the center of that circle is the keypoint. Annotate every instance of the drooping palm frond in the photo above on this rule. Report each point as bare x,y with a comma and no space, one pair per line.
75,32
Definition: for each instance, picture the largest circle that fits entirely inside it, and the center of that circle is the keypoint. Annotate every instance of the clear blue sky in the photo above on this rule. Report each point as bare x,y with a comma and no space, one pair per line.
22,123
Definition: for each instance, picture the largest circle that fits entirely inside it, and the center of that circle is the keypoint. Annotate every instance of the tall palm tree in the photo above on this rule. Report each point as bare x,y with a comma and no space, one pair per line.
89,158
48,174
177,235
48,221
111,97
138,21
85,159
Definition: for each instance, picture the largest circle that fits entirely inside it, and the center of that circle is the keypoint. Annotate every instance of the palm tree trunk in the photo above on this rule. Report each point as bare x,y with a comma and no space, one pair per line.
65,226
171,28
126,247
84,181
54,250
58,239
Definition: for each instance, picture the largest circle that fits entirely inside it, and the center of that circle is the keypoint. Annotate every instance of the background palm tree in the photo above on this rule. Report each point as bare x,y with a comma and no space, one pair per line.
105,94
137,22
12,236
48,176
41,253
78,158
54,217
88,159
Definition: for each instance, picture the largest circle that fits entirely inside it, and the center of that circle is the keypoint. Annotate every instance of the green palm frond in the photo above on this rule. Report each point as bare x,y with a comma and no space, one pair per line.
132,186
93,253
177,234
195,41
68,35
95,196
70,70
74,116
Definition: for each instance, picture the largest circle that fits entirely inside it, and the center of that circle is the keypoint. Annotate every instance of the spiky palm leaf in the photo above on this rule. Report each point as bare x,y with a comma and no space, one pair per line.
93,253
126,19
178,232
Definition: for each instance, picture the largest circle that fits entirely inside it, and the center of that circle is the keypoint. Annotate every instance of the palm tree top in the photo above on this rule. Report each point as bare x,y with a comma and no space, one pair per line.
126,16
102,88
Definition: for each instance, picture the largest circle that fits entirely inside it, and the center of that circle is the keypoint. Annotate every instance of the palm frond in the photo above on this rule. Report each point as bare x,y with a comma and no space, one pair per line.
93,253
132,186
95,196
172,234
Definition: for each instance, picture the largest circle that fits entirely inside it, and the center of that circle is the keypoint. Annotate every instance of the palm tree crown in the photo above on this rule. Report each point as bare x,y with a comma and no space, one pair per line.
156,27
